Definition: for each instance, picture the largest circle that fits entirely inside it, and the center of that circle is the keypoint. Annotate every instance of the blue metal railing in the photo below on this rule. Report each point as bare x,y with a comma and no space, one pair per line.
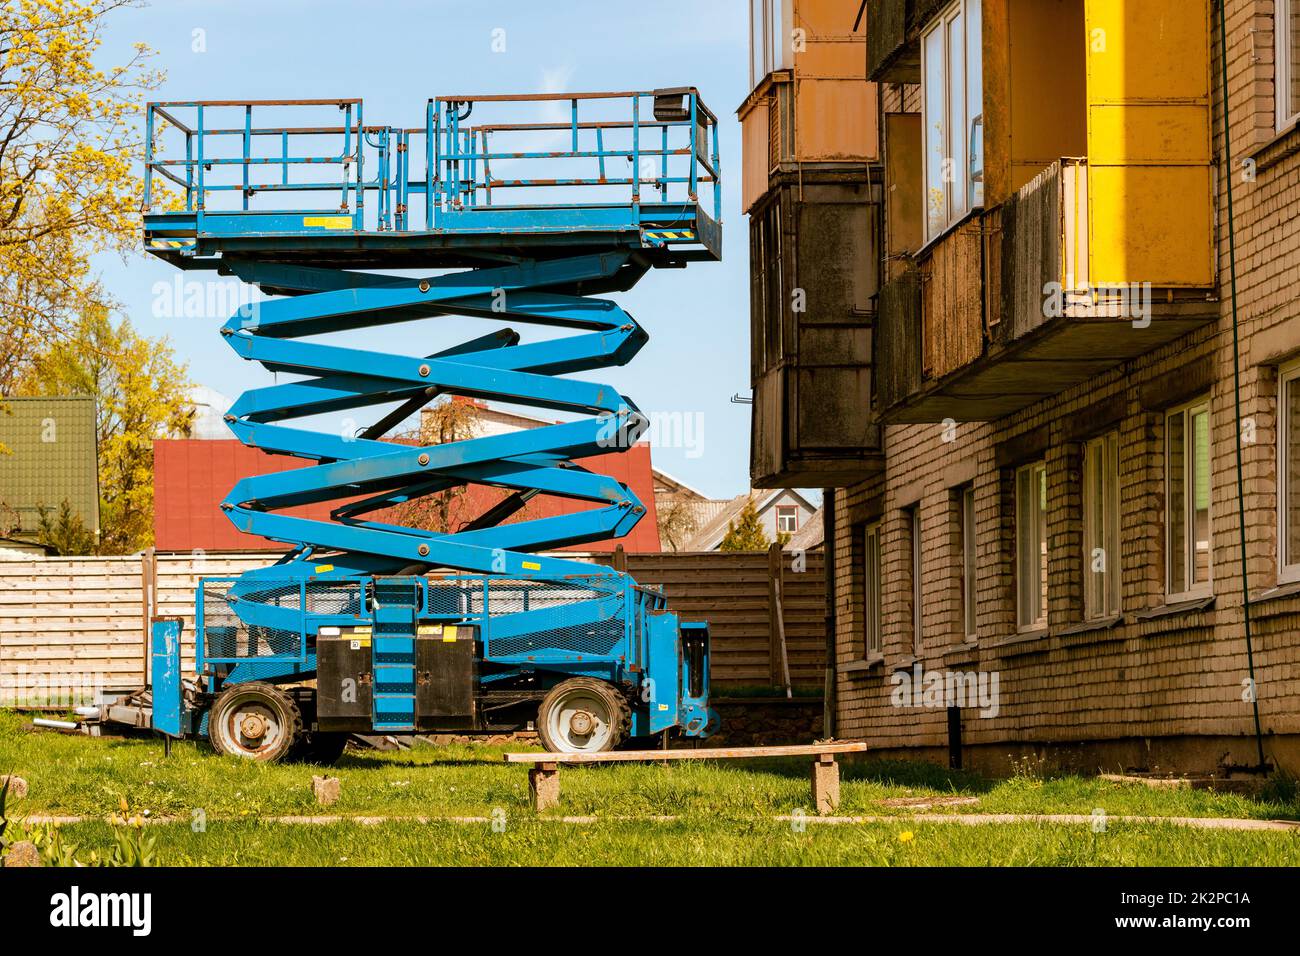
633,149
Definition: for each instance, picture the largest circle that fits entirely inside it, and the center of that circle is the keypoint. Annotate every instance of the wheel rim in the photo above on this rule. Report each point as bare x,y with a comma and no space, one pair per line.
580,721
251,727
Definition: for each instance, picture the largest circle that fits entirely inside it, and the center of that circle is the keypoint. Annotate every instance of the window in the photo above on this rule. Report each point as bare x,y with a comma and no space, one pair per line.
871,591
966,534
912,520
1101,527
1288,470
1187,499
770,33
1031,546
787,519
951,71
1286,30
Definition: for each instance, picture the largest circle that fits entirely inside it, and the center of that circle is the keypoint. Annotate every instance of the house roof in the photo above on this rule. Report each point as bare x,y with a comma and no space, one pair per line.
27,547
52,457
707,537
811,534
191,477
673,485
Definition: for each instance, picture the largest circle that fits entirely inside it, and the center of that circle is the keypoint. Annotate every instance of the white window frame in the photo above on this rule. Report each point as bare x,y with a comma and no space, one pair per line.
787,511
777,53
1031,513
968,168
1288,378
873,631
966,530
1206,587
1285,68
1101,456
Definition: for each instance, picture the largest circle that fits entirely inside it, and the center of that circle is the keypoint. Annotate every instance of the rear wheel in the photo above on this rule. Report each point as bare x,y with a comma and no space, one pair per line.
255,721
583,715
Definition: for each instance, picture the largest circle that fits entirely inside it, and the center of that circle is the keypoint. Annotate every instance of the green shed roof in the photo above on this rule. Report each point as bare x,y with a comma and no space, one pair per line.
51,456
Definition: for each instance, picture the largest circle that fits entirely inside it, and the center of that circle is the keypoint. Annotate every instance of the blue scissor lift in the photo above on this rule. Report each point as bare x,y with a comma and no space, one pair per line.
514,210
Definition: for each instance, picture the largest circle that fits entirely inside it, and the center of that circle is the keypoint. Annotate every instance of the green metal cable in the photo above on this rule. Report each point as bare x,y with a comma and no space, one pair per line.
1236,376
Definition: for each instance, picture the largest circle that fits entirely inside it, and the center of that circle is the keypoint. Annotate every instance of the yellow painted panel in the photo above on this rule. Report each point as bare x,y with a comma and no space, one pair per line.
1149,133
836,120
1147,49
1150,204
1150,224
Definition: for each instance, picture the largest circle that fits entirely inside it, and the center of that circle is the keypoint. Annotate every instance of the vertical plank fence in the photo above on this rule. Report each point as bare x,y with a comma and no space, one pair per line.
72,626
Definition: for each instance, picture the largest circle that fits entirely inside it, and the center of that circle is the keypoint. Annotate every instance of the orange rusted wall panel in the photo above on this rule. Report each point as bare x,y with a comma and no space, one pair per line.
995,17
836,120
1048,90
754,147
836,114
1034,90
904,207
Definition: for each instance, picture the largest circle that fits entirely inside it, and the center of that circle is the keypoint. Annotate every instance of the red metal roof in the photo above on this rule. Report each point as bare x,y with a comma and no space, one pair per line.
191,477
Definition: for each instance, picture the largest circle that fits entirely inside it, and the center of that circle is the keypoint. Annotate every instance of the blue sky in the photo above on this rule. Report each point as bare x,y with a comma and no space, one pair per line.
395,54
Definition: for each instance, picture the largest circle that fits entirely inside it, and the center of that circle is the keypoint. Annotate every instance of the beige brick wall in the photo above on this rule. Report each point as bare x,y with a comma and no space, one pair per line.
1175,675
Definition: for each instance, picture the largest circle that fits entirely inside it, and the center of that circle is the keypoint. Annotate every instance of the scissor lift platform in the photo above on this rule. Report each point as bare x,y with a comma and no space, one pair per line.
536,177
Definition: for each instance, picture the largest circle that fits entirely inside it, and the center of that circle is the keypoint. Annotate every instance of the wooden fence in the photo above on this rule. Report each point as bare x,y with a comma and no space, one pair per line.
71,626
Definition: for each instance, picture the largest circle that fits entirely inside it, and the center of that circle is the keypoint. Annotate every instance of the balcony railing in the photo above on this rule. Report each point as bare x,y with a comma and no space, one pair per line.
1004,310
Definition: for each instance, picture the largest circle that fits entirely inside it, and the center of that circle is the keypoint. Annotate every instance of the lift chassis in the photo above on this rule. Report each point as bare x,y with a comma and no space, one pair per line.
375,621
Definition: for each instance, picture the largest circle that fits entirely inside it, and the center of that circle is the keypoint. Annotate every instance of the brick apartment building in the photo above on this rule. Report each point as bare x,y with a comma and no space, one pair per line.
1042,484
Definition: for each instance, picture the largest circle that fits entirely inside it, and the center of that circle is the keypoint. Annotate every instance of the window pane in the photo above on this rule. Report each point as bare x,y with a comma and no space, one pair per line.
756,42
1293,44
780,42
872,589
1200,434
1291,434
1094,585
1112,506
936,201
1040,524
974,104
1031,544
956,116
914,539
1176,506
1101,527
968,560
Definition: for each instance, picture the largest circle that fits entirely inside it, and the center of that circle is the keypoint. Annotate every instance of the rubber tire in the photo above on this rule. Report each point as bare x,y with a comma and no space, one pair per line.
615,703
322,747
274,699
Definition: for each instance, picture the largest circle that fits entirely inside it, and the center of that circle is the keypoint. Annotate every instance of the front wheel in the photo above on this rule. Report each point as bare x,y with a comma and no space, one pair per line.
255,721
583,715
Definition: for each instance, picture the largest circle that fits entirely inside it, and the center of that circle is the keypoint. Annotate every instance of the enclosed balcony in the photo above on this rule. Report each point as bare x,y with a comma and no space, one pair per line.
1032,273
812,191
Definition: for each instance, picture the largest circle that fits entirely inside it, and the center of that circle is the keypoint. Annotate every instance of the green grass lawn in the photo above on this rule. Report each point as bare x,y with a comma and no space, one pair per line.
724,810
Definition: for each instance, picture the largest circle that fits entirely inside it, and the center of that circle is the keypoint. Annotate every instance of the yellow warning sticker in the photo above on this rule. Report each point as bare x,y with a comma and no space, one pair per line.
449,635
531,566
356,631
429,630
323,568
328,222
